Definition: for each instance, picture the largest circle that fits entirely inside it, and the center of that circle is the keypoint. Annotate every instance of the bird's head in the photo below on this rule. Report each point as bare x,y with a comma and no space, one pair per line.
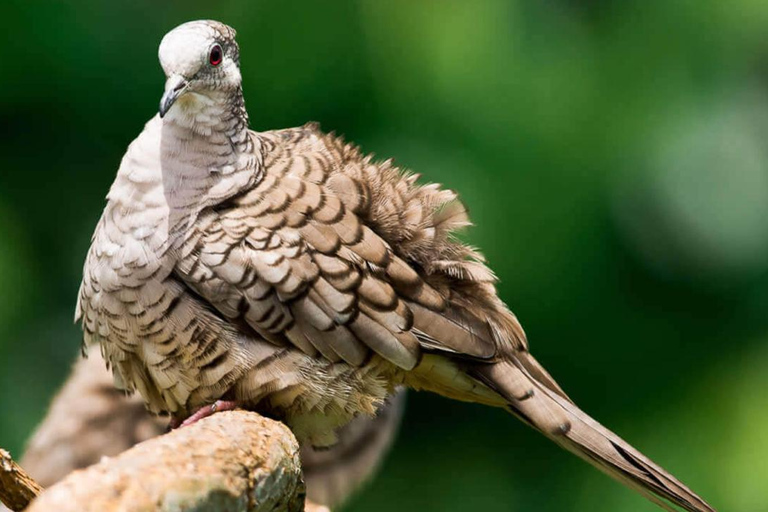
201,60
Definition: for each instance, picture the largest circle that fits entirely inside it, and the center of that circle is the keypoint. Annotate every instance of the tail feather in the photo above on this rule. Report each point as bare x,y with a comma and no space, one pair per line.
546,408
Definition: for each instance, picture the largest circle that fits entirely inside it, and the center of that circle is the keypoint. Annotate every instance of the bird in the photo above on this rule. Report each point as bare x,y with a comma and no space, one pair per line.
289,273
89,419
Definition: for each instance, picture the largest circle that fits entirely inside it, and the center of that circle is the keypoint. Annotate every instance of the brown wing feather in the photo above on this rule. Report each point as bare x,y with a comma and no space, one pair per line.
340,256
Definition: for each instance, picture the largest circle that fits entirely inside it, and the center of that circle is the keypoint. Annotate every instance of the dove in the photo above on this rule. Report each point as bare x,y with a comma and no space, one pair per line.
288,273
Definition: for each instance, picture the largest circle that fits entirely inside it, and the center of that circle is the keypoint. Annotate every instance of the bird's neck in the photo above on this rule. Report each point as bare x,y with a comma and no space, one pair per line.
199,155
207,152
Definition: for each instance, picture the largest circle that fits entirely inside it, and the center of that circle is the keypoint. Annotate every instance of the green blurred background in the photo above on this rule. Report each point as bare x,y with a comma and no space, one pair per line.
613,157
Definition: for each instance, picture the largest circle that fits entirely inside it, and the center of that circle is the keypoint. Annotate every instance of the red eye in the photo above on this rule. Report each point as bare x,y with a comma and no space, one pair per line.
215,56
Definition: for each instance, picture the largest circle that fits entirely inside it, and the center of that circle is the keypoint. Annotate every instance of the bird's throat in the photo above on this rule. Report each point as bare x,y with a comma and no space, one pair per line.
211,113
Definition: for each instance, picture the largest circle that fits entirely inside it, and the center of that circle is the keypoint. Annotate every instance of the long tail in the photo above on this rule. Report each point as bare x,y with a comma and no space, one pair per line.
535,398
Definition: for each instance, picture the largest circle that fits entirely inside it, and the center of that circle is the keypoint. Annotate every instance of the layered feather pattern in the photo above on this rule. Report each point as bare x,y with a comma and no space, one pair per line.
291,273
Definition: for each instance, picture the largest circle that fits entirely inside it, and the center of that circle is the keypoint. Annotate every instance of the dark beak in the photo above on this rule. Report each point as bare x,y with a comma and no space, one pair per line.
175,86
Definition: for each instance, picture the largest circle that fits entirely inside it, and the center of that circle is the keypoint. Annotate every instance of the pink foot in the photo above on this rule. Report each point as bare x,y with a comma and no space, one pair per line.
203,412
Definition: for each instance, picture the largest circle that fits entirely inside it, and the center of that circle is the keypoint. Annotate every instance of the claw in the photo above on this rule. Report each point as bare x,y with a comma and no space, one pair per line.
203,412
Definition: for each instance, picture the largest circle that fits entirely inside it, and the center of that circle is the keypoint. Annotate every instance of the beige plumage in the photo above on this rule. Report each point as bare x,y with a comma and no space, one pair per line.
89,419
291,274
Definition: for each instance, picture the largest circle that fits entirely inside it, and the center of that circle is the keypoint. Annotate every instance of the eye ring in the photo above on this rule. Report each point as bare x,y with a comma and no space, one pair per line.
216,55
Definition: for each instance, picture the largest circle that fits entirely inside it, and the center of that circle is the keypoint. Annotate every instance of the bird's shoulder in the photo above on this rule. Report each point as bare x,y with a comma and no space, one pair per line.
418,221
